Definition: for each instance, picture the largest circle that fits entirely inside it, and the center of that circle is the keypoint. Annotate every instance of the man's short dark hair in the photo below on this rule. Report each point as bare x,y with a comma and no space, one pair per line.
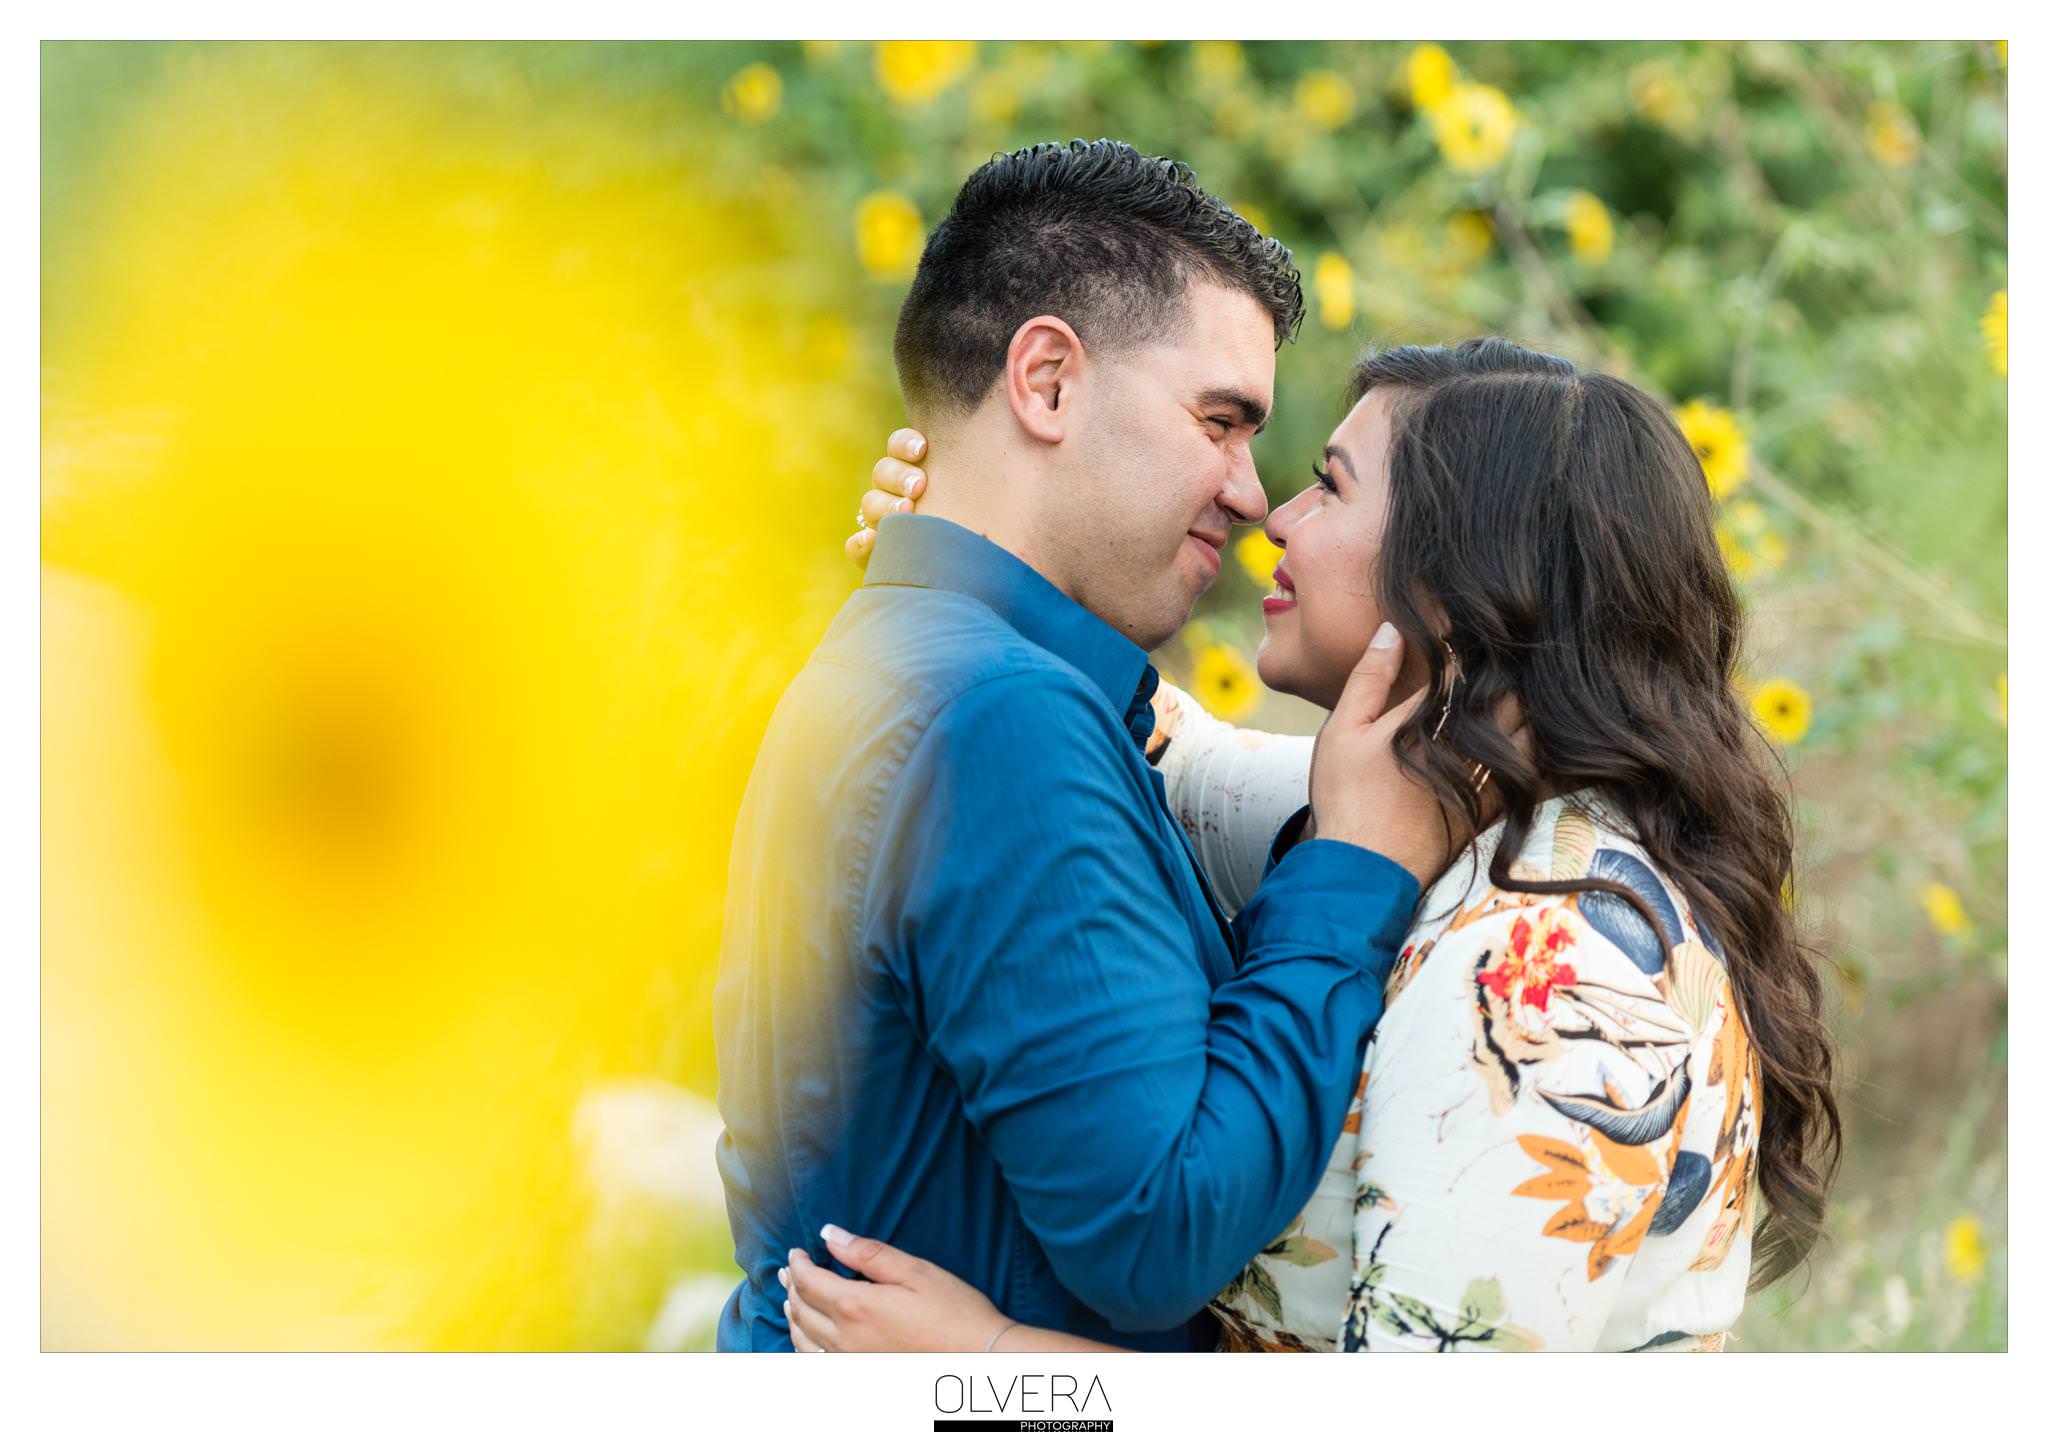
1095,233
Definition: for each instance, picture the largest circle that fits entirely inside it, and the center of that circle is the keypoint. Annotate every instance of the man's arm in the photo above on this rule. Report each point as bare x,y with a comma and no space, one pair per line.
1156,1136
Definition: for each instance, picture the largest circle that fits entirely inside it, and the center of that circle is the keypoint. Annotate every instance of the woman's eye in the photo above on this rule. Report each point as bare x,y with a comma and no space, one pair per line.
1324,481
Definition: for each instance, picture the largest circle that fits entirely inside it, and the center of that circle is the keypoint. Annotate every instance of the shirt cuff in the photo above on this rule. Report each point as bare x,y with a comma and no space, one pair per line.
1334,897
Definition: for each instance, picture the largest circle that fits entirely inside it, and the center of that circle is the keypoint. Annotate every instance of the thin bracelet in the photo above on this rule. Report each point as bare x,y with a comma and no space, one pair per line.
990,1345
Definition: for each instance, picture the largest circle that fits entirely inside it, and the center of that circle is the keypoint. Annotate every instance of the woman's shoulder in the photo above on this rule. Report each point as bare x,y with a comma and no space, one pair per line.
1550,1079
1571,838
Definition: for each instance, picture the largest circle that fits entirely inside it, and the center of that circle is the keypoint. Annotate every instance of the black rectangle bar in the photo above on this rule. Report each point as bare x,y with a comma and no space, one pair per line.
980,1426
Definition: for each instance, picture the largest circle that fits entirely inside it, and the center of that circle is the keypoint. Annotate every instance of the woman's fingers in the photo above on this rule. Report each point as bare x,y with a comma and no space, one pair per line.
893,476
907,444
810,1330
875,505
870,1257
860,545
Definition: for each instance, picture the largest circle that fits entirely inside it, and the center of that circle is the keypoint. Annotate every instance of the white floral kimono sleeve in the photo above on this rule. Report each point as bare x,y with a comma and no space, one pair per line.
1541,1131
1231,789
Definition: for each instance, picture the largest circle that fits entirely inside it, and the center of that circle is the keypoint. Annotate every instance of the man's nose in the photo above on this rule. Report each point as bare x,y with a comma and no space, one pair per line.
1244,497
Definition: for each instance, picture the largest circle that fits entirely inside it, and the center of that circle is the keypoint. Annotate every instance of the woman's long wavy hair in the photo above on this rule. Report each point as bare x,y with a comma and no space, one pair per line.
1563,525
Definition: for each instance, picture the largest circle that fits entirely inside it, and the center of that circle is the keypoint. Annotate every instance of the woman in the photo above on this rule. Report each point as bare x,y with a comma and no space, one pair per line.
1603,1038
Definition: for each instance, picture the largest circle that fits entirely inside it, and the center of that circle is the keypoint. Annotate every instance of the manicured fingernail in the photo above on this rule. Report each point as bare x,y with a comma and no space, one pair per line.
1385,637
782,1277
917,447
903,505
913,483
837,1236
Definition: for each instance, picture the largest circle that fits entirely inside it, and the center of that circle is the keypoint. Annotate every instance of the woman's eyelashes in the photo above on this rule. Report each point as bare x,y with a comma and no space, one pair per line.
1323,480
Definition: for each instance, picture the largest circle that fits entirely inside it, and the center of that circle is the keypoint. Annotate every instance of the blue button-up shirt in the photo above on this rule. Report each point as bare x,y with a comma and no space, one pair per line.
975,997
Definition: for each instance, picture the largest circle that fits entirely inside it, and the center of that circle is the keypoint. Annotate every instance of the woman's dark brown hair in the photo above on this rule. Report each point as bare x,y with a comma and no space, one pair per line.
1563,524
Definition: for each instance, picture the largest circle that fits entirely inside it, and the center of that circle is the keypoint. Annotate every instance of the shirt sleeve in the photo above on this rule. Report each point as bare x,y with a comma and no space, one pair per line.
1154,1134
1230,789
1523,1108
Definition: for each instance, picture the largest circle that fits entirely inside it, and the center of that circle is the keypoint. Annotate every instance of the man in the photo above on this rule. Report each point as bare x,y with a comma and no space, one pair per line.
975,997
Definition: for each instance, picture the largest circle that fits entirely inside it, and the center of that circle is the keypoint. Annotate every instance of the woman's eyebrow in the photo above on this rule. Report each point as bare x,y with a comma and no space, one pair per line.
1333,451
1250,411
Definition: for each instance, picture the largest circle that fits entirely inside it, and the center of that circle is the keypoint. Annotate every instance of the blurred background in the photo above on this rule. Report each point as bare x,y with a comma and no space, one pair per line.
446,454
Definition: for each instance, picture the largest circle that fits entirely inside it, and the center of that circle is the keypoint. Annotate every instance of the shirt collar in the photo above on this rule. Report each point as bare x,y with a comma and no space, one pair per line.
933,553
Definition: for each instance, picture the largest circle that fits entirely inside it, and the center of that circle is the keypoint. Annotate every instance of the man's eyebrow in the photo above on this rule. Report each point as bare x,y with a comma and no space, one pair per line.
1333,451
1250,410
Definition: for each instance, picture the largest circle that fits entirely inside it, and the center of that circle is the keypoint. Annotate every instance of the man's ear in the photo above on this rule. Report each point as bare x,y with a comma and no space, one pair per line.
1045,361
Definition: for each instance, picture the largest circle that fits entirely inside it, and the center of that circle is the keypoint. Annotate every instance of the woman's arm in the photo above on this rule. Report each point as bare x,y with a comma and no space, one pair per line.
1231,789
907,1305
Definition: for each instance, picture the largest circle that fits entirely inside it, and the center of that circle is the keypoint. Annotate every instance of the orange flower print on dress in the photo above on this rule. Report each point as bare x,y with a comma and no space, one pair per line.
1534,962
1610,1193
1513,985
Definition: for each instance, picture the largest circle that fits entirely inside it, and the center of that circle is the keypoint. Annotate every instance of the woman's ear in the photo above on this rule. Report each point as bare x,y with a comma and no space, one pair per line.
1045,362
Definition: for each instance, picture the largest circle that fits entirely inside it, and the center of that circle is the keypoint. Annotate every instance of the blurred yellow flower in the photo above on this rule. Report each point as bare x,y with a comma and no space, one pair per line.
1784,709
915,72
375,690
1218,62
828,342
1746,515
1236,114
888,233
1253,214
1741,561
755,93
1336,291
1992,325
1468,237
1654,91
1944,909
1590,227
1963,1251
1324,100
1474,126
818,52
1889,130
1718,442
1430,75
1225,683
994,99
1770,548
1258,555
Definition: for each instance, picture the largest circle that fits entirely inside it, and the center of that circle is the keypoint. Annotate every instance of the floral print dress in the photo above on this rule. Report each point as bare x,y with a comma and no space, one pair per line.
1554,1140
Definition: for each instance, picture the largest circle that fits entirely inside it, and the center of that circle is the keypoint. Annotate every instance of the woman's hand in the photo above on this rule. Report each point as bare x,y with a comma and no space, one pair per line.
896,487
907,1306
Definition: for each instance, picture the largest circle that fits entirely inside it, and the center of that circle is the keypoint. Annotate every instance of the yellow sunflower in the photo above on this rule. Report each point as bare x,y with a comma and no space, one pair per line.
1992,325
1474,126
1888,129
1718,441
754,94
1590,227
916,72
1944,909
1258,555
887,234
1962,1250
1336,291
1430,75
1324,100
1784,709
1225,683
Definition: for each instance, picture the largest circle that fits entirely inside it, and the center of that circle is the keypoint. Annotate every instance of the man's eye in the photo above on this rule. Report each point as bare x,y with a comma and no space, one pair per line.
1224,423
